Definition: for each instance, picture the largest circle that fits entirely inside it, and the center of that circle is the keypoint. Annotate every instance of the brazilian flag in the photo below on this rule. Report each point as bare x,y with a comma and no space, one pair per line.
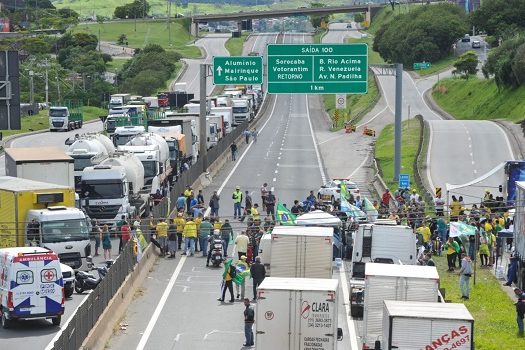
284,216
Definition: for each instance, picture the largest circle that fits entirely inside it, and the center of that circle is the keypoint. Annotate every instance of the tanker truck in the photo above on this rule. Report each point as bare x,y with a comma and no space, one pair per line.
88,150
176,143
114,188
153,152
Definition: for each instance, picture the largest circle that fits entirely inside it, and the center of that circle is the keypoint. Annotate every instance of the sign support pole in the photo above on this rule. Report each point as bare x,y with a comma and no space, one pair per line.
202,117
398,119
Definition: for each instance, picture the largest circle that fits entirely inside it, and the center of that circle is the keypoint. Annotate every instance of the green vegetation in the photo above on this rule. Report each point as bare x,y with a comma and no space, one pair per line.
135,9
500,18
234,45
373,56
318,36
40,121
357,105
438,66
479,99
493,311
507,63
116,65
384,151
425,34
147,32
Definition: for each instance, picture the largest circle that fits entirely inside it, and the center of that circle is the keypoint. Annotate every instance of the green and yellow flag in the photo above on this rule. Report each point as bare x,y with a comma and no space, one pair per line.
344,191
284,215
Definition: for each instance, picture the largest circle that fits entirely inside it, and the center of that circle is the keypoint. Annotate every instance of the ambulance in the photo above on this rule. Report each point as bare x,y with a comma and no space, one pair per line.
31,285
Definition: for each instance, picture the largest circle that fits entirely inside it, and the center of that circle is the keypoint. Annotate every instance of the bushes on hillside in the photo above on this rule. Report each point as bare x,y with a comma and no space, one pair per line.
425,34
507,63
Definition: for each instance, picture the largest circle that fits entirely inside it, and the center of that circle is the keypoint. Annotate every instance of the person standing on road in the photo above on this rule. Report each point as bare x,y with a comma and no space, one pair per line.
247,204
241,242
227,283
233,150
118,231
226,236
258,272
162,235
125,235
464,276
200,198
520,314
181,202
254,135
249,319
452,248
439,204
264,194
237,201
247,133
106,242
97,232
214,204
172,239
205,231
179,223
190,234
270,205
241,267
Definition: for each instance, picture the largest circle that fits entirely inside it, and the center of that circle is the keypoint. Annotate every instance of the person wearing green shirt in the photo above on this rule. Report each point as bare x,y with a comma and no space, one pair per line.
452,248
206,229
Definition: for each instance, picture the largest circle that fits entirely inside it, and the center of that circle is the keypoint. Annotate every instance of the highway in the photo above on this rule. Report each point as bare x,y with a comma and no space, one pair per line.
182,293
212,45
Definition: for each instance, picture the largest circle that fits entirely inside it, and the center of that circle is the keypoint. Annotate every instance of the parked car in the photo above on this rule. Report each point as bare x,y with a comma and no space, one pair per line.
466,38
331,191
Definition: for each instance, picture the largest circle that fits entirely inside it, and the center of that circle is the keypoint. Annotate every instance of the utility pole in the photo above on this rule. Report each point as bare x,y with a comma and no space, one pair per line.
58,86
31,90
169,22
398,119
47,85
202,117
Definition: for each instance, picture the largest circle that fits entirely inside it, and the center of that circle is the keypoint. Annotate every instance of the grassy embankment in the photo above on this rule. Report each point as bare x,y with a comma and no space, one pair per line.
492,309
479,99
234,45
40,121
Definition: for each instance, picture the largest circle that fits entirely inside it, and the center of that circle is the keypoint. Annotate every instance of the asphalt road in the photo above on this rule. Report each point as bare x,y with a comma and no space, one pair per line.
182,293
212,45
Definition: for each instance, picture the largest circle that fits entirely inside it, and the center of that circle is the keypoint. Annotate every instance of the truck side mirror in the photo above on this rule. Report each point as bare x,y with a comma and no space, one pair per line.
339,334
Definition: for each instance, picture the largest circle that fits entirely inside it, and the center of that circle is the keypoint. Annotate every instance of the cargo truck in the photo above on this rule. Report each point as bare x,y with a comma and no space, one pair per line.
123,134
418,325
302,252
114,188
519,234
297,314
226,113
47,164
388,244
394,282
191,139
176,144
116,100
241,111
319,218
58,225
65,117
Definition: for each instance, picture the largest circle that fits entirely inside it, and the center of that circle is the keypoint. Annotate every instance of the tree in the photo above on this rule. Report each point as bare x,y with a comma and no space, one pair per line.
136,9
505,63
496,16
358,17
122,39
317,20
467,64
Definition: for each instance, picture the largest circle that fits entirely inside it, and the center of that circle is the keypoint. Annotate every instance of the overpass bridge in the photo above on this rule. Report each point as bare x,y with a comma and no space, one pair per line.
303,11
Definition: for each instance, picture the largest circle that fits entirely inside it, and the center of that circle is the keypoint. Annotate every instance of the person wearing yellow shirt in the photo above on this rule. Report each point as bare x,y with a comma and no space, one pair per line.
425,233
162,235
198,221
254,212
217,224
455,209
179,224
242,266
190,235
188,194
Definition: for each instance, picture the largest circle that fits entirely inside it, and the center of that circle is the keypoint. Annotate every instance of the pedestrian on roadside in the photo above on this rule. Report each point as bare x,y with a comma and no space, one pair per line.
452,247
172,239
190,235
226,236
241,267
247,133
249,319
241,242
464,276
205,231
214,204
233,150
270,205
181,202
125,235
118,231
96,231
106,242
227,283
264,194
162,235
200,198
237,201
258,272
179,223
254,135
520,314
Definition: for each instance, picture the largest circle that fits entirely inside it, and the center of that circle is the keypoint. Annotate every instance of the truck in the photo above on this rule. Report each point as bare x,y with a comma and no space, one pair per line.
319,218
116,100
123,134
176,144
297,314
419,325
226,113
215,128
65,117
394,282
47,164
302,252
114,188
241,111
519,235
153,152
42,214
191,137
388,244
88,150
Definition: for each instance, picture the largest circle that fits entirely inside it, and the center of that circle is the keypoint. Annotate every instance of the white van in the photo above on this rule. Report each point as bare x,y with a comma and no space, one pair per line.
31,285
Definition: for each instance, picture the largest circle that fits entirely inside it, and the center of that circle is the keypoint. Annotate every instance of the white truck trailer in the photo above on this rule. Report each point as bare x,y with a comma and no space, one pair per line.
519,236
297,314
301,252
418,325
394,282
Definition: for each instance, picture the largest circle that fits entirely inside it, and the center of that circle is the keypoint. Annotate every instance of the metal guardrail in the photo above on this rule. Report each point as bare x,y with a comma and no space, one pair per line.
90,310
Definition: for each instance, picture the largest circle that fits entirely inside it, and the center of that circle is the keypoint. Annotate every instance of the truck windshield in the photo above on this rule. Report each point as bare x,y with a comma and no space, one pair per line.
150,168
64,231
240,109
82,161
58,113
121,140
102,190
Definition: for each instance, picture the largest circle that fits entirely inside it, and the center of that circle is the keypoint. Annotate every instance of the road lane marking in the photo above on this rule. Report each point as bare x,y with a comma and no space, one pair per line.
349,322
509,147
314,141
218,331
160,305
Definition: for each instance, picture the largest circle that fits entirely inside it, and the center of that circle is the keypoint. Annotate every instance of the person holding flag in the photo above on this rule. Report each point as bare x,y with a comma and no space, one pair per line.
227,278
284,215
242,271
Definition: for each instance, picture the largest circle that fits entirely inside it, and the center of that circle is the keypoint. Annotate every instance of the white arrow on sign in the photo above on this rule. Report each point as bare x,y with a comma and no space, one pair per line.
219,70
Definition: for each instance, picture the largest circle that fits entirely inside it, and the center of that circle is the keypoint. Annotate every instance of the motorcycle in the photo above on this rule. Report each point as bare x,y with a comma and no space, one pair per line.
217,255
87,281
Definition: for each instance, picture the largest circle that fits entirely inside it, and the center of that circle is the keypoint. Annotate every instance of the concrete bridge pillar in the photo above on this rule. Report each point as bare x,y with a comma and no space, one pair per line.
368,17
194,29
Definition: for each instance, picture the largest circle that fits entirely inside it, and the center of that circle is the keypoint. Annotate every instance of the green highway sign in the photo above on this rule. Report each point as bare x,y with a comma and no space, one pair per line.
317,68
422,65
237,70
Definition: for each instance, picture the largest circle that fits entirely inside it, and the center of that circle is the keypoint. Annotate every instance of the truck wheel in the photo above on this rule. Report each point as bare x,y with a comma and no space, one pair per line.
68,292
56,320
6,324
81,123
